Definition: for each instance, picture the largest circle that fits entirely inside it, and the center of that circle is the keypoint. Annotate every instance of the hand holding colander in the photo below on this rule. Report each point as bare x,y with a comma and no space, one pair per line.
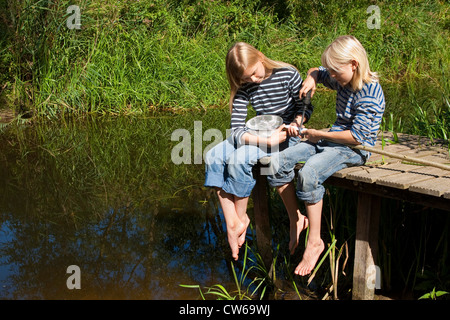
264,125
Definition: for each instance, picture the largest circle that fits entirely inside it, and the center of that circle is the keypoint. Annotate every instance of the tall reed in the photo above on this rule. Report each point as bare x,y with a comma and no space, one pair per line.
130,56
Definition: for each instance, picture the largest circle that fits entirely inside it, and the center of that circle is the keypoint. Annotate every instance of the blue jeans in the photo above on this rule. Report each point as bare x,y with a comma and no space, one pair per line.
321,161
230,168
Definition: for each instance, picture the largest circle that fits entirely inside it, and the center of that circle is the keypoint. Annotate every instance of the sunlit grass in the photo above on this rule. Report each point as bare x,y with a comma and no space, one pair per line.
131,56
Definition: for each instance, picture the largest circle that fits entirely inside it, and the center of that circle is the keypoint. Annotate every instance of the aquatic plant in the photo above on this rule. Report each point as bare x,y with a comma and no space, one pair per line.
433,295
245,288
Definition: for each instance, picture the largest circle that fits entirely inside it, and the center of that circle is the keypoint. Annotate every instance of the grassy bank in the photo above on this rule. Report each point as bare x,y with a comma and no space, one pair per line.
131,56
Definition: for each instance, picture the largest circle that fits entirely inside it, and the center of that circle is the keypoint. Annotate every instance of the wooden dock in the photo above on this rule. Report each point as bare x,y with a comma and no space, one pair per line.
384,171
381,177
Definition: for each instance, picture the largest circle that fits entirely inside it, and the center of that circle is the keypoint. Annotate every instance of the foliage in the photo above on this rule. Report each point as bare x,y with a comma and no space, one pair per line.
130,56
244,288
433,295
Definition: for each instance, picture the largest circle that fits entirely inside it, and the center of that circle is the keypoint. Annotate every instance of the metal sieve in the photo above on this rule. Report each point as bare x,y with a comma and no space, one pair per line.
264,125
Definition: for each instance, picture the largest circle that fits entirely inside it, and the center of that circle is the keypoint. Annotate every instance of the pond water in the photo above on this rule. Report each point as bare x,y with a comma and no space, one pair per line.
122,198
103,194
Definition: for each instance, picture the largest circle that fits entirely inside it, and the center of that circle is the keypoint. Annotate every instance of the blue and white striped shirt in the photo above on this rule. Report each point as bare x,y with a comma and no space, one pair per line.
276,95
360,112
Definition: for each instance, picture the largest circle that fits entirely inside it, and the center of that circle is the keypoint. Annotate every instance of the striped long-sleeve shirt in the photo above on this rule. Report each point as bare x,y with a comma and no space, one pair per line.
276,95
360,112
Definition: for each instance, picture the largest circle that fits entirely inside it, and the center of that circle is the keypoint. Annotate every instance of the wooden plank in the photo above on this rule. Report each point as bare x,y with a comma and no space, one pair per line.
404,180
377,159
392,193
374,158
435,187
371,175
395,148
261,215
417,153
366,245
438,158
446,195
344,172
432,171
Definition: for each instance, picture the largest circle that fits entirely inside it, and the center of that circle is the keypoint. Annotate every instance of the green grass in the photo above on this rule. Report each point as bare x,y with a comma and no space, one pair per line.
132,56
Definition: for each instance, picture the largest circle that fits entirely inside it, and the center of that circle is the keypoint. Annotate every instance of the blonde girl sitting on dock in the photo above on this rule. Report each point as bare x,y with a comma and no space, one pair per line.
359,110
272,88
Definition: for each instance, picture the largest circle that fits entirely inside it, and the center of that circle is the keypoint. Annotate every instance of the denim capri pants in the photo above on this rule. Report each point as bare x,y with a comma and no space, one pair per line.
321,161
229,167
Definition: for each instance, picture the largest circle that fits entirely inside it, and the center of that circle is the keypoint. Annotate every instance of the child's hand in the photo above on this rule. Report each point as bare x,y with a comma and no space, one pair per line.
313,135
293,129
309,83
277,137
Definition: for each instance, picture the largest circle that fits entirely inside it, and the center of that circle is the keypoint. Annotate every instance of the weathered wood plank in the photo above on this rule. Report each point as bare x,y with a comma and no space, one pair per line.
446,195
371,175
261,215
374,158
395,148
366,245
415,141
404,180
436,172
392,193
435,187
344,172
402,157
438,158
417,153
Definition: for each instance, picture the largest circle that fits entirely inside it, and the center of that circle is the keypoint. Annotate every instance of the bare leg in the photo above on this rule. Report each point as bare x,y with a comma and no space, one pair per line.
315,245
235,227
241,210
298,222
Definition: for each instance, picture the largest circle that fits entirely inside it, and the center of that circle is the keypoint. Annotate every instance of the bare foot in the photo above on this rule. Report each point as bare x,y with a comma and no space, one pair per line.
246,222
310,257
234,234
296,227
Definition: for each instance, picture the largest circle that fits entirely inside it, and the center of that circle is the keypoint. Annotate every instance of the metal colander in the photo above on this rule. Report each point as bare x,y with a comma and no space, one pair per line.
264,125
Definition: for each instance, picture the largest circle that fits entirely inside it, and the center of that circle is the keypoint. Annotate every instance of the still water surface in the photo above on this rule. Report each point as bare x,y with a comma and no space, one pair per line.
102,193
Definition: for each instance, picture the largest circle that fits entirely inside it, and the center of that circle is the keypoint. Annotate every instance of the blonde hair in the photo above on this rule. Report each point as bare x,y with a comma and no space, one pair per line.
241,56
344,50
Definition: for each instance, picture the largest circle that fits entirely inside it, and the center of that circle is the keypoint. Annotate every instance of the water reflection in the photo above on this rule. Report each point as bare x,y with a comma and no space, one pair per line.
102,193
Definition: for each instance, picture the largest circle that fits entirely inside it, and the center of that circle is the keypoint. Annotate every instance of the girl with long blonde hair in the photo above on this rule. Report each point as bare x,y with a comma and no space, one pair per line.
270,87
359,110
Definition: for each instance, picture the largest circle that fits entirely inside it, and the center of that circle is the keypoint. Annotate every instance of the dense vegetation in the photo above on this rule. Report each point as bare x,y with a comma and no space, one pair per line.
129,56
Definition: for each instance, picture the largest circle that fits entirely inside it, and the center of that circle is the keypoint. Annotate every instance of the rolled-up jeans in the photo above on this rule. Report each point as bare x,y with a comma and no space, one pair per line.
229,167
321,161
